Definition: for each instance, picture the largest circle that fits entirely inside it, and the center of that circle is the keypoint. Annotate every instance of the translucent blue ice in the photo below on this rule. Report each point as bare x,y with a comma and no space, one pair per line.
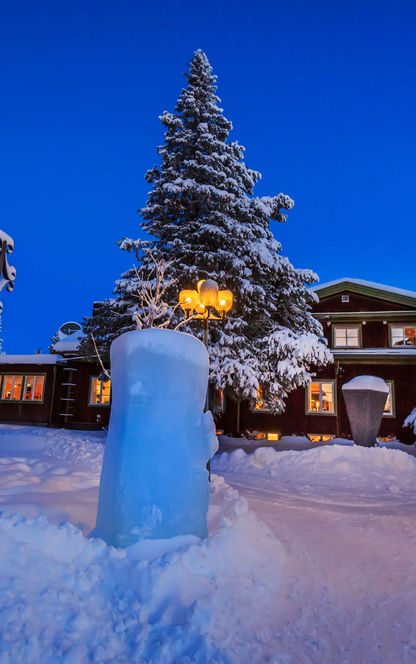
154,482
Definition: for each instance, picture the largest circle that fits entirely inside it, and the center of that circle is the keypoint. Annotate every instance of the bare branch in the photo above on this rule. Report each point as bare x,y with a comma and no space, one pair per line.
105,371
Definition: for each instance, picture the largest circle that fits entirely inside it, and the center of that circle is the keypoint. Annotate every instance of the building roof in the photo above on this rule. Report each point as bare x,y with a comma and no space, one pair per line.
36,358
370,288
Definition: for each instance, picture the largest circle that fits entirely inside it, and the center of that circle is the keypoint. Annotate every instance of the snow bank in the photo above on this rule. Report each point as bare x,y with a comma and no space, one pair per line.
300,443
66,598
350,473
51,472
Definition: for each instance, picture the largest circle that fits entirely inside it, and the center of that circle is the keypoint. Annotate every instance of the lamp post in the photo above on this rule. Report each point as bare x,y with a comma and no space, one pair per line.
202,304
206,300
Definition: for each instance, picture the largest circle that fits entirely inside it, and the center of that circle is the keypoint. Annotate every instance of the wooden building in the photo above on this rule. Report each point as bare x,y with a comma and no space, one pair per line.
53,390
370,328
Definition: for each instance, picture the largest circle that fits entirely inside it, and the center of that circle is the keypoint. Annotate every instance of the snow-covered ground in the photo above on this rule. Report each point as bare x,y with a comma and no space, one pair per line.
310,559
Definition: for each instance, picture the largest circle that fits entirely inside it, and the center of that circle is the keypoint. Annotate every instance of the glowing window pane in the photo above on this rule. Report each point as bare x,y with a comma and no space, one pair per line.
217,399
260,398
314,397
100,392
105,391
321,397
38,392
95,391
29,388
17,388
388,407
7,387
326,397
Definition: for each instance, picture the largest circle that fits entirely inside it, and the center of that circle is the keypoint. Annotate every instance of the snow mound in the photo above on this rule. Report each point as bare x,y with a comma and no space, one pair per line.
66,598
51,472
331,472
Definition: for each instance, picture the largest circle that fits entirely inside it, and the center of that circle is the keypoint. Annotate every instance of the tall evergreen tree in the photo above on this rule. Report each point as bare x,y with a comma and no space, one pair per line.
201,212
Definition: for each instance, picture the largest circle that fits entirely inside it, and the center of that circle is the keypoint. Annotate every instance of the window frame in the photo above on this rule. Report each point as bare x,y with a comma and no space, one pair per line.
332,413
22,389
349,326
403,325
392,412
98,405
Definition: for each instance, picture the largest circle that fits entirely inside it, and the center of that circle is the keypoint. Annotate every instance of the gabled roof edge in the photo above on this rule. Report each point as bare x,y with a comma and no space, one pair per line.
369,288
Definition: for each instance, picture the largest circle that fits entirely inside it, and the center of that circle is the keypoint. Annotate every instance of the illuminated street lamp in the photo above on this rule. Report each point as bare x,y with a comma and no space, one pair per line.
205,301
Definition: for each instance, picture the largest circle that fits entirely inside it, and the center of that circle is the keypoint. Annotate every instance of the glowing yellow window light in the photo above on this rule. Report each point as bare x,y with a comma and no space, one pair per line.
259,399
272,436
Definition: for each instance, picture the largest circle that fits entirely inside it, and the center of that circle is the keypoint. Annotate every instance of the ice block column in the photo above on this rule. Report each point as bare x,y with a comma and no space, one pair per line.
154,481
365,398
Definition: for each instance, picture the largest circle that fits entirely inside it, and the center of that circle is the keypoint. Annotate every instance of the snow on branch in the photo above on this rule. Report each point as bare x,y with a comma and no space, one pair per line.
410,420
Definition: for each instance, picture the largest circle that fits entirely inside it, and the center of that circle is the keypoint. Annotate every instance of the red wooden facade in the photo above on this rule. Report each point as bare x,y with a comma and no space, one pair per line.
373,311
66,396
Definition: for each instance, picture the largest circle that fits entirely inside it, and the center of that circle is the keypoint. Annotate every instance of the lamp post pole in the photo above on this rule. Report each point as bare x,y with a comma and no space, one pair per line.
204,300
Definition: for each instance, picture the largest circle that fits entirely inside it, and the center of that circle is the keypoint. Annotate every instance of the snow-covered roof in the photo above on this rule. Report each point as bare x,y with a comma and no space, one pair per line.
36,358
368,284
348,283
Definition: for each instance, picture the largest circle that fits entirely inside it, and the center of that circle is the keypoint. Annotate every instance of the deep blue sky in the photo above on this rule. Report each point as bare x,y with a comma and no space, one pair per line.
322,94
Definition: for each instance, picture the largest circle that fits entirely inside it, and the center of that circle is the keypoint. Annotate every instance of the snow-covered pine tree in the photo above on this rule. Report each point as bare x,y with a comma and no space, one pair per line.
201,212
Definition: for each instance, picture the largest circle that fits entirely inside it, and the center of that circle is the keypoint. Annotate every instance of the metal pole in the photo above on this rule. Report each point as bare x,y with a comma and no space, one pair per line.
207,395
206,346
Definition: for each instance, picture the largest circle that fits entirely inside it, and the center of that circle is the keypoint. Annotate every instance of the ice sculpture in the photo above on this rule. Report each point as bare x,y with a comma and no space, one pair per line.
154,482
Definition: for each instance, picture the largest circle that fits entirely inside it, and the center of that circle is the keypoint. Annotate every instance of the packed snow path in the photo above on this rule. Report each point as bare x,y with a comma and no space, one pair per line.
349,594
320,569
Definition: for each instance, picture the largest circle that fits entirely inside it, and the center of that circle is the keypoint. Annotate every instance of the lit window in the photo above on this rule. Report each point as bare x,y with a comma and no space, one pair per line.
12,388
260,401
388,408
217,399
346,336
402,335
321,397
273,436
33,390
320,437
259,405
100,392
